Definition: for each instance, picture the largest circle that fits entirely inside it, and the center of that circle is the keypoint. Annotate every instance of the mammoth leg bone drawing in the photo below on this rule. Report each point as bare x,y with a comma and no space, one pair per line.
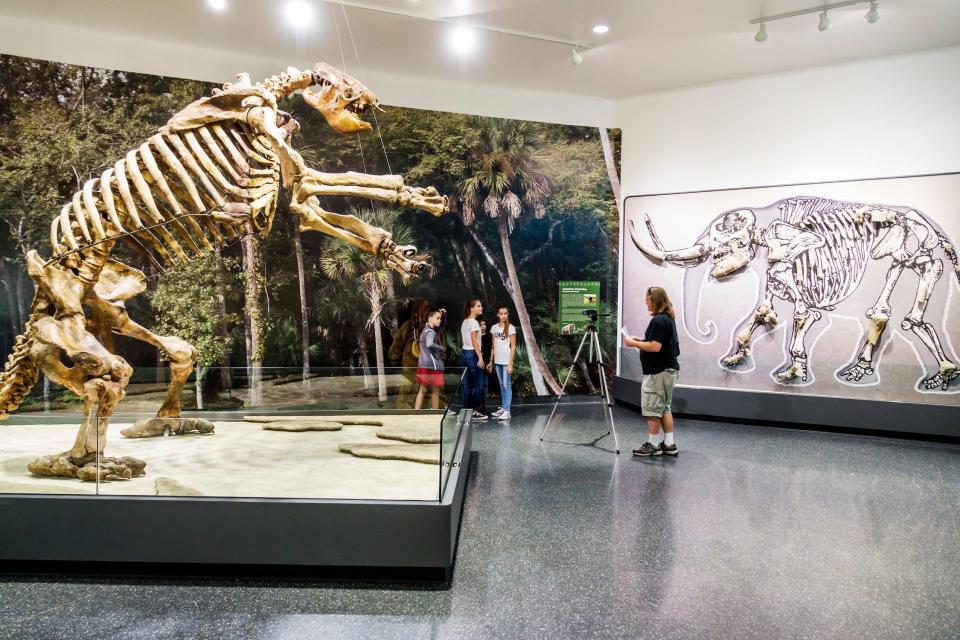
878,315
764,315
803,319
929,272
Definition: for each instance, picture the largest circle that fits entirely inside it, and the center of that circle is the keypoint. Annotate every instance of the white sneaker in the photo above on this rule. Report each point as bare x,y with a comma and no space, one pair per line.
478,416
496,414
504,415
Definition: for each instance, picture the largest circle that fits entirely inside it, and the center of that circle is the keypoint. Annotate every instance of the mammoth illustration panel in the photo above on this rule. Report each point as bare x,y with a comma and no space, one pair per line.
845,289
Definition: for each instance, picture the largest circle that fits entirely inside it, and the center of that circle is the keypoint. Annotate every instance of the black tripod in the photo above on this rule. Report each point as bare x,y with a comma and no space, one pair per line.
595,356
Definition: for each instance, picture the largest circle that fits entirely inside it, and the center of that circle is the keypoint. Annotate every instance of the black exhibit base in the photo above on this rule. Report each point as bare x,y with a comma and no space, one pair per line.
209,537
807,410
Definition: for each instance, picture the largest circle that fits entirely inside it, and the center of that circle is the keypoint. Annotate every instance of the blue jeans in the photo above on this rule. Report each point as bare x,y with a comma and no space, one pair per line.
470,389
505,378
484,386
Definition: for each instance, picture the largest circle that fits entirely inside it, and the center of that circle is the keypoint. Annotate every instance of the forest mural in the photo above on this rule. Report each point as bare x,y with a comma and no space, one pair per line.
531,204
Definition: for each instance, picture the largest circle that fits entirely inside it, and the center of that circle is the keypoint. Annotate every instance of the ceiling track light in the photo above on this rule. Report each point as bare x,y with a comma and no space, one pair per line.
824,23
871,16
576,58
761,33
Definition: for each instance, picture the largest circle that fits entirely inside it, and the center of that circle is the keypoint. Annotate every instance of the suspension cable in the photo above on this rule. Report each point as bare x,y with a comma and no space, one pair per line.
363,72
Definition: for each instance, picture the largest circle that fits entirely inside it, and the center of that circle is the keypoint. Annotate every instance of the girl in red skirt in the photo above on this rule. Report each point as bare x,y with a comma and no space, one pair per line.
430,363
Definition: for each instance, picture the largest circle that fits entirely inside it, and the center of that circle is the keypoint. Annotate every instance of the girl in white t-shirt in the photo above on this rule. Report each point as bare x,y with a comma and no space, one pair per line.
471,357
504,350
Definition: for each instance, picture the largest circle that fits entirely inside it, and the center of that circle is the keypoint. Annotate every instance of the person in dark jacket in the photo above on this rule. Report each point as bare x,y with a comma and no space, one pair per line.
430,362
486,350
659,353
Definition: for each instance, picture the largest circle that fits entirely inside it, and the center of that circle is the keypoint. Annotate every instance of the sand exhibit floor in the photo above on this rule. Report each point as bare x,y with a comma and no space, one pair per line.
255,457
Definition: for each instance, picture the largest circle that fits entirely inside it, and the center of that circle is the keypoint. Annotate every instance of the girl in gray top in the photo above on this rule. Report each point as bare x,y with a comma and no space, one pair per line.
430,362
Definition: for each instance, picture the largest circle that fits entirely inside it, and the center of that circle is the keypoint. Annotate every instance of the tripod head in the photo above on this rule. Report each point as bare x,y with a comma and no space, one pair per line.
592,314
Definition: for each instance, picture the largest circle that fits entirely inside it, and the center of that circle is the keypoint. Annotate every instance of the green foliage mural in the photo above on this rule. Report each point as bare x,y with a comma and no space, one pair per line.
532,204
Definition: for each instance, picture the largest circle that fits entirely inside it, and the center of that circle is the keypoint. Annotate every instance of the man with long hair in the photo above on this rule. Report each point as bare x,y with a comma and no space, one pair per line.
659,350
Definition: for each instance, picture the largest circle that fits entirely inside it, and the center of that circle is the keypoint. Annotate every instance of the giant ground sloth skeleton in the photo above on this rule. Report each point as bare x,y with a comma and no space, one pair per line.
818,251
211,175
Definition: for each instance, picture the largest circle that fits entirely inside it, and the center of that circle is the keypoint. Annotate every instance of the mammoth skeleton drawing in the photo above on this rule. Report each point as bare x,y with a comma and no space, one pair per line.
814,253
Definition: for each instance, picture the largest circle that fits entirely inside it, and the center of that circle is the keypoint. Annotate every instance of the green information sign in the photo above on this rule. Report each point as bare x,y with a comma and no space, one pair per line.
577,296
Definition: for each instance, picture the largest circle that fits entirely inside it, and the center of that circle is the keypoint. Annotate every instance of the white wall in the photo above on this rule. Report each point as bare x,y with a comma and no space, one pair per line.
885,117
64,43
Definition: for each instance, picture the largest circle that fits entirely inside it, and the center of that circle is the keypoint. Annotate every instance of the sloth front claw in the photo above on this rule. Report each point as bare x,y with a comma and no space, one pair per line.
402,259
424,198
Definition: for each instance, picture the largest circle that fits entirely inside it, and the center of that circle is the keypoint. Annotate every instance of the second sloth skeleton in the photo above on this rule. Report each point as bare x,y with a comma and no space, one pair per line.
818,251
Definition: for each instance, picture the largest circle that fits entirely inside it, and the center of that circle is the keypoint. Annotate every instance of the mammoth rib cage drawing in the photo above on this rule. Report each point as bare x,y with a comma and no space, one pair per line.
828,273
818,251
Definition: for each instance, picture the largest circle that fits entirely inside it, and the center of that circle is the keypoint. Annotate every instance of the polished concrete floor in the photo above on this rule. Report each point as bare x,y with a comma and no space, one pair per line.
751,532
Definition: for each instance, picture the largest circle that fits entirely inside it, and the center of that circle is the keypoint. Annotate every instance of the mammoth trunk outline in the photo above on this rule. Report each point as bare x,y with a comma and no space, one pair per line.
818,251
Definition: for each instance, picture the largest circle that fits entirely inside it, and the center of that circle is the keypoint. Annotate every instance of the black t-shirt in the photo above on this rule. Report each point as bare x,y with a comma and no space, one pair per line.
486,347
661,329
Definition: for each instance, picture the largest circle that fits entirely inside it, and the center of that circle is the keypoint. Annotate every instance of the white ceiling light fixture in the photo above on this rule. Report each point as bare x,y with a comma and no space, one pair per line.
824,23
761,33
217,5
298,13
463,40
576,58
873,15
601,28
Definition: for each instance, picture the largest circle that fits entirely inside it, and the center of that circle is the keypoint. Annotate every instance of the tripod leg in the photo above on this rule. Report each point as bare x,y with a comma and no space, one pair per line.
605,389
564,387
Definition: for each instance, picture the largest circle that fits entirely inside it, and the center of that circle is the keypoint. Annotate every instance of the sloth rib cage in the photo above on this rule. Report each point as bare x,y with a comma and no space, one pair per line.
176,197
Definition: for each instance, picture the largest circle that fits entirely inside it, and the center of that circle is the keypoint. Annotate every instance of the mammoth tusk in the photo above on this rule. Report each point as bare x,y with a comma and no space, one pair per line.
689,253
653,234
656,254
685,255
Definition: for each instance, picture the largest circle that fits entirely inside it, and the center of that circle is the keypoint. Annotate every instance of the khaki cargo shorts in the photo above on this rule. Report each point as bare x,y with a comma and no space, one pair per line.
657,393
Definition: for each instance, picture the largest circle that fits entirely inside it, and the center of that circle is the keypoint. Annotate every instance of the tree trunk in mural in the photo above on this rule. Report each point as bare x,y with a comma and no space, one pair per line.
304,320
376,297
11,302
254,314
393,308
613,247
364,359
226,375
611,169
538,366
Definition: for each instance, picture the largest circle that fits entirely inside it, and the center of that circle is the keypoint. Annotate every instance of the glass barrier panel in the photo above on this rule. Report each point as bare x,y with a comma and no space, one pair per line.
450,426
330,433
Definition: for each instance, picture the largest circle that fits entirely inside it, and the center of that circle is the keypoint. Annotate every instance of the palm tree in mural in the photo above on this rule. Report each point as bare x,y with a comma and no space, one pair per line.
506,180
343,263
